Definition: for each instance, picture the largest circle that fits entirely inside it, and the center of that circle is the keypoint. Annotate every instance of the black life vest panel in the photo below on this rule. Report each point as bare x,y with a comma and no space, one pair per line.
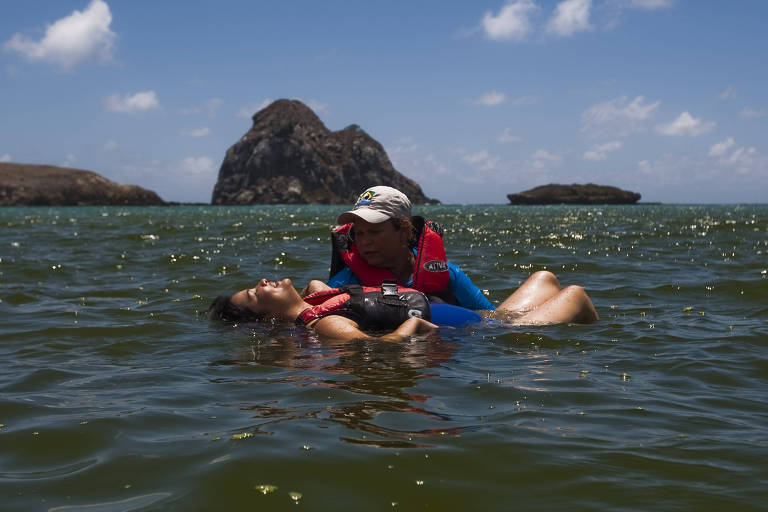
372,307
430,271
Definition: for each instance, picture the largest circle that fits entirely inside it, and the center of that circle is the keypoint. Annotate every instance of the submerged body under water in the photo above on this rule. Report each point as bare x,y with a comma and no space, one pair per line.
118,394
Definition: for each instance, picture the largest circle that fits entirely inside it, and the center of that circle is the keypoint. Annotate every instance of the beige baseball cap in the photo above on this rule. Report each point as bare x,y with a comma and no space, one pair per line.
378,204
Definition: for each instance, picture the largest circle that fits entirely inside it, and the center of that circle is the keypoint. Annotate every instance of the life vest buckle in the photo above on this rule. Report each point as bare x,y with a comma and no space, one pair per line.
389,289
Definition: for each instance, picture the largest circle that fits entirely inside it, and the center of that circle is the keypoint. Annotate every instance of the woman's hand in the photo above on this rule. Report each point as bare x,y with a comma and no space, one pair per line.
410,327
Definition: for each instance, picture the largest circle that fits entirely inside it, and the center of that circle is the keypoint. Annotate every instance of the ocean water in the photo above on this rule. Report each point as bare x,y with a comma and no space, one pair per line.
117,393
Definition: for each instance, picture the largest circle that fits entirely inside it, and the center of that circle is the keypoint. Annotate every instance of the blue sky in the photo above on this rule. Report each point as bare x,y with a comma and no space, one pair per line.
473,100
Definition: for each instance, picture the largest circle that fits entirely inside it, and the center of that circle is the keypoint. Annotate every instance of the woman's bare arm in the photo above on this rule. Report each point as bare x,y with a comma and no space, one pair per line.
342,328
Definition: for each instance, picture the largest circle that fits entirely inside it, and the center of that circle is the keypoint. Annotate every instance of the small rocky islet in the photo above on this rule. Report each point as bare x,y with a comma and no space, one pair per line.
49,185
574,194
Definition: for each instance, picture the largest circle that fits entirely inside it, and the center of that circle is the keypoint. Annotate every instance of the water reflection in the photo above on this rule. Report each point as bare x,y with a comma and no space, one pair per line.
382,374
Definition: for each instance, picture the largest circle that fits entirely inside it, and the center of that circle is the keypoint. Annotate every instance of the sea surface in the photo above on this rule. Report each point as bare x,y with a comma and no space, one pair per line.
118,394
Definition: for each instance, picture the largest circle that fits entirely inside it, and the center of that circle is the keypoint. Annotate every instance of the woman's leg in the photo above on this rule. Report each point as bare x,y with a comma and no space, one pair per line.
570,305
535,291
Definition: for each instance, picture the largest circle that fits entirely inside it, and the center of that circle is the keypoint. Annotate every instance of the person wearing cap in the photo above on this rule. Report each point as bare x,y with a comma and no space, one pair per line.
379,240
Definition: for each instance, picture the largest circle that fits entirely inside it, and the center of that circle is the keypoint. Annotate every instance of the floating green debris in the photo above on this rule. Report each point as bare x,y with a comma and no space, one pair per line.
265,488
687,309
295,496
242,436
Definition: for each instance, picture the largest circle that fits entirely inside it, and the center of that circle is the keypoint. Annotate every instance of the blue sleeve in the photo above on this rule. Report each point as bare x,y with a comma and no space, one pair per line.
342,277
467,294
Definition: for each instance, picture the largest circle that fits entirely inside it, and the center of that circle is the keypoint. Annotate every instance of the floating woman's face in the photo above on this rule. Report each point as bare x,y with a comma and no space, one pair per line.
267,297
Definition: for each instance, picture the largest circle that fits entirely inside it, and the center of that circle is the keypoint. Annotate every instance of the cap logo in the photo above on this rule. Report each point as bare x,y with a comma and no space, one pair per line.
365,198
435,266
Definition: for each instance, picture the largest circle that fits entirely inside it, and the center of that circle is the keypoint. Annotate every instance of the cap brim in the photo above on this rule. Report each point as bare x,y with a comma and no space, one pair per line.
366,214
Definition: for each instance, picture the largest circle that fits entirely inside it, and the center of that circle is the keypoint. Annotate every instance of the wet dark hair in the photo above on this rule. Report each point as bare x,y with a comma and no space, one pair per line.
223,310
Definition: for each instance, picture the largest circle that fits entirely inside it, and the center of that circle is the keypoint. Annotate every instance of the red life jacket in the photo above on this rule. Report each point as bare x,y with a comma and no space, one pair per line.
384,307
430,271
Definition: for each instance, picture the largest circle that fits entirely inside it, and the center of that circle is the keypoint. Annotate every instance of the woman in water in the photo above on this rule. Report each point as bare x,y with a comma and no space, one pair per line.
279,301
380,239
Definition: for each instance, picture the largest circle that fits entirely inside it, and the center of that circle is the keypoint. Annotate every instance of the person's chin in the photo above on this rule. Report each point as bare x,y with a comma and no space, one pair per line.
375,261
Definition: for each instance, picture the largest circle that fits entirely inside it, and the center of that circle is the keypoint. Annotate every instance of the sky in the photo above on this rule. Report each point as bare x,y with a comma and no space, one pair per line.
472,100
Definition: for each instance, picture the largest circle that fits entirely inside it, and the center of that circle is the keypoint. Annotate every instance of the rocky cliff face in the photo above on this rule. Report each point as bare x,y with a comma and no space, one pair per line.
47,185
574,194
290,157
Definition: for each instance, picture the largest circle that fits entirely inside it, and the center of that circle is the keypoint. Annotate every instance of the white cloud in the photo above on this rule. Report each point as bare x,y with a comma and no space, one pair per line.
512,22
198,132
612,12
74,39
728,93
143,100
317,106
247,111
482,161
570,16
5,158
744,160
600,151
542,159
617,117
686,124
69,160
650,4
720,148
727,173
210,106
409,158
491,99
199,165
213,105
110,145
506,136
525,100
753,113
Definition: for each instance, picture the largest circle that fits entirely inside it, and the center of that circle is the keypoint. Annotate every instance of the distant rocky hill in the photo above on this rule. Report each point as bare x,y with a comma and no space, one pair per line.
48,185
574,194
290,157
